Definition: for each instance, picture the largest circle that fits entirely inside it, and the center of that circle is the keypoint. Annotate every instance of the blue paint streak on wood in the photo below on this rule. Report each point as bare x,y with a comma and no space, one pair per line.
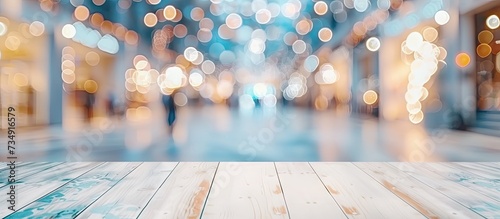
70,190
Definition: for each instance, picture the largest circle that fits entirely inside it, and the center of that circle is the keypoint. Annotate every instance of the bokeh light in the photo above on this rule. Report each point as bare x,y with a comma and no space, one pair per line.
442,17
370,97
325,34
320,8
373,44
462,60
81,13
37,28
493,22
169,12
233,21
3,29
68,31
150,20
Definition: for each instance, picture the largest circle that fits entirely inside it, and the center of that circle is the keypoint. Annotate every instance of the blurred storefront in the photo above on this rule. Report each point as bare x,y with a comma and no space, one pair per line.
485,69
22,71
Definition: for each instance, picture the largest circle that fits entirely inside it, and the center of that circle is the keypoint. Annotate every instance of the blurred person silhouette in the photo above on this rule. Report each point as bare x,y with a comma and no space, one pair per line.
110,105
88,105
170,109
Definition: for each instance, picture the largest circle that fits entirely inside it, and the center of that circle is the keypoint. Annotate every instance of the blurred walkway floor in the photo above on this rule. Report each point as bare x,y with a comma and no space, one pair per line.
220,134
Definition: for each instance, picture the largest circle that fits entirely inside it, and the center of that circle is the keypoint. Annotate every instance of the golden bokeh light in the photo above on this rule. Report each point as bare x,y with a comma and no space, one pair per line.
370,97
483,50
81,13
325,34
169,12
96,19
90,86
462,60
485,36
131,37
20,80
321,102
92,58
178,16
320,8
303,26
430,34
150,19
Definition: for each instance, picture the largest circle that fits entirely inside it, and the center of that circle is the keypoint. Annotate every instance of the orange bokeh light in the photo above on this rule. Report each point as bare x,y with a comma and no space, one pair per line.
81,13
462,59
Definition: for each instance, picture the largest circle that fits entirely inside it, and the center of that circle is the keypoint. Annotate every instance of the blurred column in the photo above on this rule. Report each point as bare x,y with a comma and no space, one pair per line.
450,77
468,45
54,78
123,59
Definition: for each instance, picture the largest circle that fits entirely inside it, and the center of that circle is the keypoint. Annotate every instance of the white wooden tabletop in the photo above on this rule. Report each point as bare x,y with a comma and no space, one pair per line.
254,190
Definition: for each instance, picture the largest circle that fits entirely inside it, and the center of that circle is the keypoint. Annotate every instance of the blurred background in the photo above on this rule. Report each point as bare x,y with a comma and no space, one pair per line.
261,80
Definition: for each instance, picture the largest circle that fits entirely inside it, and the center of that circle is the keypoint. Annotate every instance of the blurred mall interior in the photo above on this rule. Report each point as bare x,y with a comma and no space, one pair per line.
253,80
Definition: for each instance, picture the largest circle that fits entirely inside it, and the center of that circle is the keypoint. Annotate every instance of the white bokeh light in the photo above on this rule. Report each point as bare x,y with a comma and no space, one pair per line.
373,44
68,31
493,22
442,17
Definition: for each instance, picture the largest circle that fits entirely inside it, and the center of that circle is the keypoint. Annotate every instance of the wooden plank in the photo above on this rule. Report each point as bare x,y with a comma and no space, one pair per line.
253,191
490,164
72,198
305,195
184,192
426,200
5,169
486,186
131,194
478,169
477,202
38,185
25,171
359,195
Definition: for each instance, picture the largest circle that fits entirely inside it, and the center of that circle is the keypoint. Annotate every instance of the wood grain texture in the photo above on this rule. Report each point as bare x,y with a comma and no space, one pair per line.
478,169
485,186
38,185
27,170
246,190
495,165
4,168
72,198
256,190
359,195
423,198
479,203
184,192
304,193
127,198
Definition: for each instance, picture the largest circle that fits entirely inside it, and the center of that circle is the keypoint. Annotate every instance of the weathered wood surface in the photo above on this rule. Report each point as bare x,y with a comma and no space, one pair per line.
423,198
359,195
246,190
305,194
473,200
183,194
254,190
128,198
